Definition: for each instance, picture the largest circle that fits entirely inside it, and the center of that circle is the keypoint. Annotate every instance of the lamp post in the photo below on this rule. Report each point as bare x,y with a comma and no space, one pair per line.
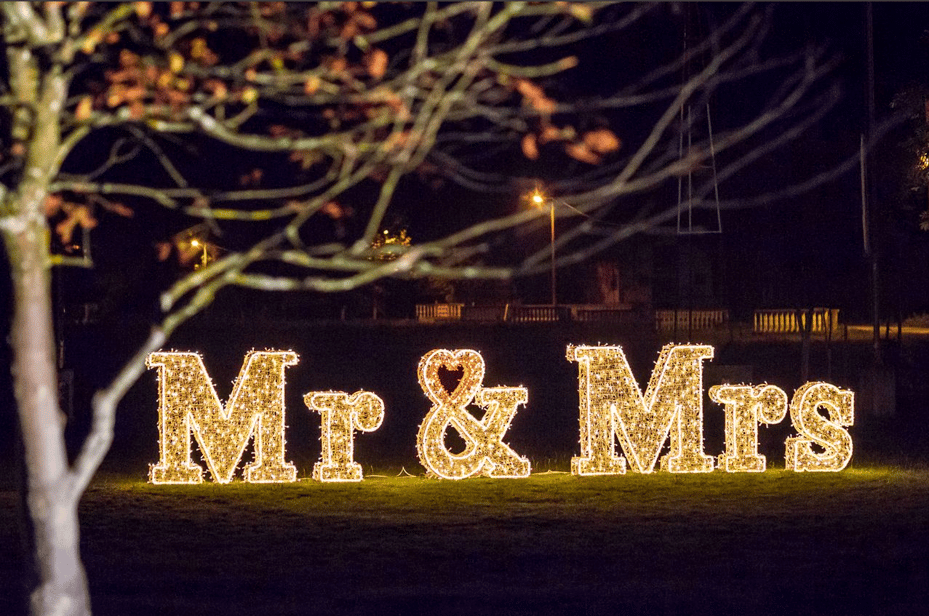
204,258
538,199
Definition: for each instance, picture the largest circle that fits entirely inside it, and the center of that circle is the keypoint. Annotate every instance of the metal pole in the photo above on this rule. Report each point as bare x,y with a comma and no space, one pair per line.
874,234
554,291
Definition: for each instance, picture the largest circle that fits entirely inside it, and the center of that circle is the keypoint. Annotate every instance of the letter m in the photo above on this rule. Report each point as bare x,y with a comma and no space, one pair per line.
612,407
187,403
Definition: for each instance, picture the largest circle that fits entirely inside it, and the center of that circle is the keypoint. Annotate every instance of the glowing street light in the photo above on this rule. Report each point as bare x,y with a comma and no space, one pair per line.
538,199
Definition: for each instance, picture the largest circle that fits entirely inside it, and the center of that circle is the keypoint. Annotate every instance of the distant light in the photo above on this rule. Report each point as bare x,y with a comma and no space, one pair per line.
538,198
194,243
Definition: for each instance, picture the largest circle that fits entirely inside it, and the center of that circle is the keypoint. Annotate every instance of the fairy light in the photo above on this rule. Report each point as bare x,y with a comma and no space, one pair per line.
342,414
188,403
485,452
815,428
746,406
613,407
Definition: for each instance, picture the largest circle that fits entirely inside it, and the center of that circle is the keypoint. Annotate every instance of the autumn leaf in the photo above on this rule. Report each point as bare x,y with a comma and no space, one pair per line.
136,110
163,250
52,205
535,96
249,95
142,9
333,210
79,216
93,38
311,85
568,62
578,10
602,141
530,149
549,133
83,109
119,209
581,152
376,63
528,89
175,62
198,48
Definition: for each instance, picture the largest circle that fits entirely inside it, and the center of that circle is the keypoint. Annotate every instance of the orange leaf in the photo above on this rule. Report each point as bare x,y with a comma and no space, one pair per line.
529,89
175,62
376,62
93,38
120,210
333,210
530,149
581,152
142,9
83,109
52,204
163,250
602,141
549,133
312,85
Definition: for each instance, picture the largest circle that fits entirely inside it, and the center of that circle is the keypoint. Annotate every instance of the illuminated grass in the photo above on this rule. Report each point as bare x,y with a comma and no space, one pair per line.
854,542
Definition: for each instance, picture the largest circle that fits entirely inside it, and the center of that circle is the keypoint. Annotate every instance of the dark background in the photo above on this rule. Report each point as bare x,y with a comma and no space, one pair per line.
805,250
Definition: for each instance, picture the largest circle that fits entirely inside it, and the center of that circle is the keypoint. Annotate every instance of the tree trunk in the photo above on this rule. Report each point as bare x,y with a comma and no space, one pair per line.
62,589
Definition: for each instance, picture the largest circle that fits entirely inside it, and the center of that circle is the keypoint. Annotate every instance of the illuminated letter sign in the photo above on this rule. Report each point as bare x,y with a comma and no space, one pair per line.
188,403
814,428
485,452
612,406
745,407
341,416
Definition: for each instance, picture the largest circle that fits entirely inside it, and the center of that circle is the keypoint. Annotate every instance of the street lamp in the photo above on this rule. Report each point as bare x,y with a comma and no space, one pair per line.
537,198
204,258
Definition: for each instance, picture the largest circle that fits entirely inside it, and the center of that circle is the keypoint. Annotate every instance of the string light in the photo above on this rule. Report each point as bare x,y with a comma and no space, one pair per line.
485,452
745,407
188,403
341,416
814,428
613,407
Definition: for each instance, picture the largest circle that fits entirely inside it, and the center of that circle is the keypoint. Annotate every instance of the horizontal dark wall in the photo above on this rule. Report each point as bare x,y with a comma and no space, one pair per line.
383,356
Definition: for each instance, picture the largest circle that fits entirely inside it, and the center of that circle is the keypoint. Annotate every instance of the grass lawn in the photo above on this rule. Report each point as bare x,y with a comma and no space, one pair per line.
855,542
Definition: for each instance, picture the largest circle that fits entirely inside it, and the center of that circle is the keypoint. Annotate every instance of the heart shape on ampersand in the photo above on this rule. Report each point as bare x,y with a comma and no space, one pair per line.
468,362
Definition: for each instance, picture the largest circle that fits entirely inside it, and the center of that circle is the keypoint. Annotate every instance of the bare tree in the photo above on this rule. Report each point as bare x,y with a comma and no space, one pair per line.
357,94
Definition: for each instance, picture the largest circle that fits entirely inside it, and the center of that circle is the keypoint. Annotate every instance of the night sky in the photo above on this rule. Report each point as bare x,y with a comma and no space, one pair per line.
800,250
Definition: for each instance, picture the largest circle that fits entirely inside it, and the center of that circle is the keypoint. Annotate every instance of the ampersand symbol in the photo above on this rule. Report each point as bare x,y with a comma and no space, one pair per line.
485,452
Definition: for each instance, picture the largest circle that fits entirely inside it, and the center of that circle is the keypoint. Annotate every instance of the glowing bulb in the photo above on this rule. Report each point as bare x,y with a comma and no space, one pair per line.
194,243
485,452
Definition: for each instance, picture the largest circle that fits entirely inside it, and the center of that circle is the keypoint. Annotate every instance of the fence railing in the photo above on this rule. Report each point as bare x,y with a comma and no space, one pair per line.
438,312
690,319
824,320
483,313
786,320
520,313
